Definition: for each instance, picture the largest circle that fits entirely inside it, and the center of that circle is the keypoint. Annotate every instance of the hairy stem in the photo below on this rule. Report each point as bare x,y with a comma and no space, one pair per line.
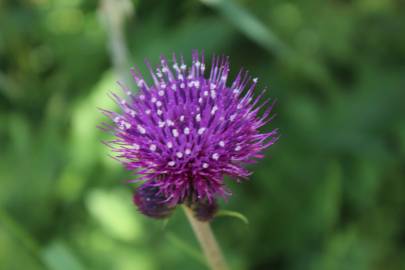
207,241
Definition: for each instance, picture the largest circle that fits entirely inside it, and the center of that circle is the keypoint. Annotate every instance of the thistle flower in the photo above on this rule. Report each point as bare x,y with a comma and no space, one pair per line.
186,131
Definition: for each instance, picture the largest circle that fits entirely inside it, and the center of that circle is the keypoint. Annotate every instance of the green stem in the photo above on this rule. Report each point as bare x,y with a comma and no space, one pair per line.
207,241
113,14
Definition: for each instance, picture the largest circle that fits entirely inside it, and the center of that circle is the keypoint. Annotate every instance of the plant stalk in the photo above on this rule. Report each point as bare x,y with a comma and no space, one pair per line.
113,14
207,241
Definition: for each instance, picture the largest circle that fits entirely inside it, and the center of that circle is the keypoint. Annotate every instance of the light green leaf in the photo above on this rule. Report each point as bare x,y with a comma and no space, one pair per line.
234,214
115,213
249,25
57,256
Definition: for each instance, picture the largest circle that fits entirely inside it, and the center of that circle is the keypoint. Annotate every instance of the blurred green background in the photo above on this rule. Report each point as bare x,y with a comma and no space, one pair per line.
329,195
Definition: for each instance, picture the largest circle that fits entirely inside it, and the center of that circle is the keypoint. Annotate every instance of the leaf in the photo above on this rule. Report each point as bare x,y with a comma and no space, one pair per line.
185,247
249,25
115,213
57,256
234,214
19,237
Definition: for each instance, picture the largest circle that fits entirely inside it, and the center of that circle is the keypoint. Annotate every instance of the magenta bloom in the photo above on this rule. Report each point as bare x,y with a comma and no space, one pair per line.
186,131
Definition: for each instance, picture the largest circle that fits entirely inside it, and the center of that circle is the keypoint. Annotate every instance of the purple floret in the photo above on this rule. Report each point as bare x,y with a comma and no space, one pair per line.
186,131
151,203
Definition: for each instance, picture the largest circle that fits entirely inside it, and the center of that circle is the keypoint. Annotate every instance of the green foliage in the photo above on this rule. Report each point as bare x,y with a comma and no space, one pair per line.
329,195
234,214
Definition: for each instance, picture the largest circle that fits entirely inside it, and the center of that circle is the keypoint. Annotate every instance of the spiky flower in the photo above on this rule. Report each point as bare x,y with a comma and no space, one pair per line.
186,131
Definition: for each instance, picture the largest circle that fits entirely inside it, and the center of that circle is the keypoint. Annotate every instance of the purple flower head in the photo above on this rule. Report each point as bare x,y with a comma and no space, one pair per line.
187,130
